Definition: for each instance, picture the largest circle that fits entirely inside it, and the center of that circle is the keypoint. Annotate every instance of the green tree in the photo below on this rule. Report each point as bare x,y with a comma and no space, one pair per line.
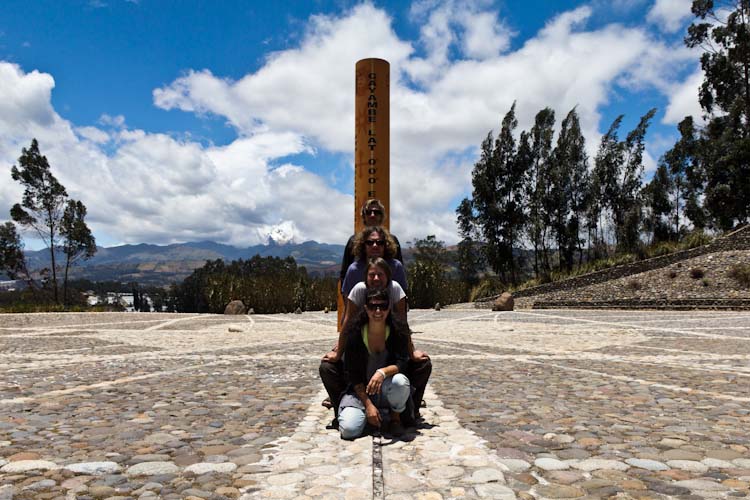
427,273
470,261
536,157
617,181
659,204
607,163
687,180
510,178
43,201
628,211
722,30
12,259
497,198
484,200
569,179
77,241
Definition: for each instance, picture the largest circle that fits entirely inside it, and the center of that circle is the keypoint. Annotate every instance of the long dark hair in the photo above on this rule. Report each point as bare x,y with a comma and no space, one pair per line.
358,246
354,325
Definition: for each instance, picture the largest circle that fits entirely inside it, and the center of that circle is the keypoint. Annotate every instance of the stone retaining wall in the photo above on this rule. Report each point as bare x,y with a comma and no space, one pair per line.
651,286
714,303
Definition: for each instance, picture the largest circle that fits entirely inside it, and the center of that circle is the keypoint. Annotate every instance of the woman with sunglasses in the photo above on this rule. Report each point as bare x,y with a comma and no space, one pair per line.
373,214
370,243
377,275
376,358
331,369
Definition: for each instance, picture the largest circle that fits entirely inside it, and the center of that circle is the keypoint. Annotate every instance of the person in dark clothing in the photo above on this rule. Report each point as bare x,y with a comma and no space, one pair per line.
419,368
373,214
377,356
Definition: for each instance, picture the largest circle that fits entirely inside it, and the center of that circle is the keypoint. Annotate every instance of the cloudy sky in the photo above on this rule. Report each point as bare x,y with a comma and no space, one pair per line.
231,121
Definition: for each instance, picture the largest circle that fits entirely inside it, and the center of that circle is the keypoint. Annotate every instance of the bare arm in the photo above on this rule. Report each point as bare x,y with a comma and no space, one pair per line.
371,412
400,309
350,311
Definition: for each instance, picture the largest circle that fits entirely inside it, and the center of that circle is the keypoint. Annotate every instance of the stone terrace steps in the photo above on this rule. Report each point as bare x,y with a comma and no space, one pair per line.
706,303
736,240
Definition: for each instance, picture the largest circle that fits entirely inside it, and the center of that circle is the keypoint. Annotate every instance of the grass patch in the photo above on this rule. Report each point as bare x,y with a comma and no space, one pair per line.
741,274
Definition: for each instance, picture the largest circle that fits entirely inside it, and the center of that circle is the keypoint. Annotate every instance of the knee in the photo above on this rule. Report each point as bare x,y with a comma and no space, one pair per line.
328,370
398,392
423,367
400,381
351,423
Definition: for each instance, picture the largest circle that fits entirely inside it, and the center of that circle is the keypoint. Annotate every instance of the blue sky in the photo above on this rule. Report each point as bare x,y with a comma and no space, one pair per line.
233,121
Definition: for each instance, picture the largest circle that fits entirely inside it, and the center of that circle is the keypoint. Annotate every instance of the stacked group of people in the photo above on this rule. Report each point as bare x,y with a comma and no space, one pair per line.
373,375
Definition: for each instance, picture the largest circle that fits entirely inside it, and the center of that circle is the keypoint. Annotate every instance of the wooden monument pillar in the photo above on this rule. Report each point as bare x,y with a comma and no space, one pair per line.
372,136
372,141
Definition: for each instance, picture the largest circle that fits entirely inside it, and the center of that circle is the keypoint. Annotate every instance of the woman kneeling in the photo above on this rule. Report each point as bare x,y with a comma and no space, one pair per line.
376,358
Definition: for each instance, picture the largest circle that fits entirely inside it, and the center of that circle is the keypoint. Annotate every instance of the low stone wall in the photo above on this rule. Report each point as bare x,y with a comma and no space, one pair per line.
659,281
715,303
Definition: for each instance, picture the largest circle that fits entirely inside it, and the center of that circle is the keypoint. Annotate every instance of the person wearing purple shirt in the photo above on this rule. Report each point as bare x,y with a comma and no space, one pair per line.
371,243
373,214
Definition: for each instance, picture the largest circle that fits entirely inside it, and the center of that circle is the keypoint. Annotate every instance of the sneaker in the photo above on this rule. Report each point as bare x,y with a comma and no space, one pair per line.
327,403
334,424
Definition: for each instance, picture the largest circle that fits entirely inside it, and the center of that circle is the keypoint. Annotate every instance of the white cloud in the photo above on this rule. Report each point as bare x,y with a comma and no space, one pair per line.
152,187
112,121
308,90
92,134
670,15
483,36
157,189
684,99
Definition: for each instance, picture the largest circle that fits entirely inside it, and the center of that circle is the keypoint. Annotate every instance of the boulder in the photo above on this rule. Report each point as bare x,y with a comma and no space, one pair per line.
298,311
503,303
235,307
437,306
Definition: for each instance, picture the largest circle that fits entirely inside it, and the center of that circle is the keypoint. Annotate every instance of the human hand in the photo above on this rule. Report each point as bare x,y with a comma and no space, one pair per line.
373,415
419,355
375,383
332,357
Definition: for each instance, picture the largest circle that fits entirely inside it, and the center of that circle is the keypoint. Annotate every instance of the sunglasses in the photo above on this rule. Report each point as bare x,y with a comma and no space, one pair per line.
370,243
374,212
377,306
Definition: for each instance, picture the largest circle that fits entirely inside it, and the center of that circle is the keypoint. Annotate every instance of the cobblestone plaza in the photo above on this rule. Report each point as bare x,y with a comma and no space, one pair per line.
525,404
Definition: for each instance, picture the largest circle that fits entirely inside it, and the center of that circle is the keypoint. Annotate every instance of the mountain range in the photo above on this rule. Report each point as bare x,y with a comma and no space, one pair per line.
161,265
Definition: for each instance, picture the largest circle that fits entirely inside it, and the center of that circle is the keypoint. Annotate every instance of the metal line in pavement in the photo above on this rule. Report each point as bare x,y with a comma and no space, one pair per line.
378,483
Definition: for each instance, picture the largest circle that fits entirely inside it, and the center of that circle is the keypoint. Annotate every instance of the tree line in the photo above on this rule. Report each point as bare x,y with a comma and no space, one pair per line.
265,284
530,190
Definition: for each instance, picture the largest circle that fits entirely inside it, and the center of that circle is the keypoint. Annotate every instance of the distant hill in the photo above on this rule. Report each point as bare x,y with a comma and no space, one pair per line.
162,265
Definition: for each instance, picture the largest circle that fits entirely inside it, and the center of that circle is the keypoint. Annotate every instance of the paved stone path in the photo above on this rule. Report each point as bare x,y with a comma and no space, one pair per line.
527,404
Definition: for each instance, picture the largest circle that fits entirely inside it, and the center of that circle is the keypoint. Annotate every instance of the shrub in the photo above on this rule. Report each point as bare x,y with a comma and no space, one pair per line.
488,287
705,282
741,274
695,239
662,248
672,273
634,285
697,273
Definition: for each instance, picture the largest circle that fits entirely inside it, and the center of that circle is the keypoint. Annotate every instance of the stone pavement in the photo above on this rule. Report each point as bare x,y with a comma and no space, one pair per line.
525,404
